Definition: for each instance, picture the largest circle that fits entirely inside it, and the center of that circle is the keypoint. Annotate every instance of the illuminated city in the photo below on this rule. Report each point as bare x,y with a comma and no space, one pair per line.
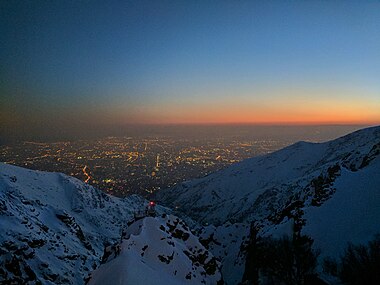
126,165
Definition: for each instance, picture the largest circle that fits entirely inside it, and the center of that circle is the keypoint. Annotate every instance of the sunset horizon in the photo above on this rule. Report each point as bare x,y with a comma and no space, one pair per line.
198,142
177,62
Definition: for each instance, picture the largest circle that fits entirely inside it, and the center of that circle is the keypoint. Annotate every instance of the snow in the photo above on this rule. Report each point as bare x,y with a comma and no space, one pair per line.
225,243
334,186
62,221
64,225
139,260
221,196
254,187
57,227
351,215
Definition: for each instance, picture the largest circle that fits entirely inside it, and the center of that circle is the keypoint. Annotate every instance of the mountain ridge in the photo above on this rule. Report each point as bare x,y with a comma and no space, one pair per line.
54,225
256,176
57,229
317,175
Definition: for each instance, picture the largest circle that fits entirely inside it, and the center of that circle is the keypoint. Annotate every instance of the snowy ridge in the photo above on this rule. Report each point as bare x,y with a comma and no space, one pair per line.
262,186
158,249
54,227
332,188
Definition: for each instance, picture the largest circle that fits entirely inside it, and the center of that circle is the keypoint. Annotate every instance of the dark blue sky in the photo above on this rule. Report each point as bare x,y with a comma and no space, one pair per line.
115,62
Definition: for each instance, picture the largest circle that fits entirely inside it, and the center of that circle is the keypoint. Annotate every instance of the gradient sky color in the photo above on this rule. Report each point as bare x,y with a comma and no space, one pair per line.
103,63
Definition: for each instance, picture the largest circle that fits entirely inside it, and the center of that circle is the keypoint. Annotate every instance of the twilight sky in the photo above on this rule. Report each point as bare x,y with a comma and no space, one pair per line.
86,64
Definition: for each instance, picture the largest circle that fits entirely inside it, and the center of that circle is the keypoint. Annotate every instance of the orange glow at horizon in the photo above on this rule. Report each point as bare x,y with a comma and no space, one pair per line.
294,107
328,111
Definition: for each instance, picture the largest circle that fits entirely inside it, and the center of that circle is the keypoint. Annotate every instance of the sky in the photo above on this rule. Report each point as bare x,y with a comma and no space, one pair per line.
86,65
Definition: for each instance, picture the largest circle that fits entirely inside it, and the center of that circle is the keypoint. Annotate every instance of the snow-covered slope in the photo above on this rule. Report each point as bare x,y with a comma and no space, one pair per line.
158,250
333,188
53,227
351,215
264,186
226,242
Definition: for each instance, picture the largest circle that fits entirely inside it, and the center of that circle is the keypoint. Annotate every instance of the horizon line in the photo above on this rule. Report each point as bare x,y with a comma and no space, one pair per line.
264,124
